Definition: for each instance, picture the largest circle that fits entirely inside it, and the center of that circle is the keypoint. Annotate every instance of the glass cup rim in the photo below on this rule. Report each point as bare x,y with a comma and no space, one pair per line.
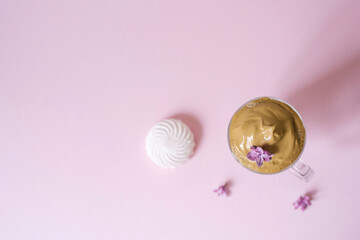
277,99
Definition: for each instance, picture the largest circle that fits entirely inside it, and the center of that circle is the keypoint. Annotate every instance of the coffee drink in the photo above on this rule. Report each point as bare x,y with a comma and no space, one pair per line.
272,125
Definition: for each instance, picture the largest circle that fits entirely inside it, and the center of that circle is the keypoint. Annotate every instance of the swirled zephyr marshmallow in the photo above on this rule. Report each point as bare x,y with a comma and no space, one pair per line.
170,143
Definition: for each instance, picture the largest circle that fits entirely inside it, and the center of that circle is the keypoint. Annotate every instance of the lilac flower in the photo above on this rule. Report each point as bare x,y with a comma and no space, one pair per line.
259,155
221,190
302,202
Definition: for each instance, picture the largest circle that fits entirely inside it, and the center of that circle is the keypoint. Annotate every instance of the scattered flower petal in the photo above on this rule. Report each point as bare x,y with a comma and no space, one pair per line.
302,202
221,190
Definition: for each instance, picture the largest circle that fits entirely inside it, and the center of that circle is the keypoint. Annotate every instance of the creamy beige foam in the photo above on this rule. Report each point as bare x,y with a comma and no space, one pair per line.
272,125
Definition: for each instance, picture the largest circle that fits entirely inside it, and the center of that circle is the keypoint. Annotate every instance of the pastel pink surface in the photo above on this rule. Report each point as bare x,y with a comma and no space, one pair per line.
81,83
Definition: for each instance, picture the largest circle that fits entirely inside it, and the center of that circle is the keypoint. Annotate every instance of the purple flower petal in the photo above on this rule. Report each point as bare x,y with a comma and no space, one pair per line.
259,150
221,190
259,155
252,155
302,202
265,157
259,161
307,202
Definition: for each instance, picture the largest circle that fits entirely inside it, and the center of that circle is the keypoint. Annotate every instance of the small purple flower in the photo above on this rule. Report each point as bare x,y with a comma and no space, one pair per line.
302,202
259,155
221,190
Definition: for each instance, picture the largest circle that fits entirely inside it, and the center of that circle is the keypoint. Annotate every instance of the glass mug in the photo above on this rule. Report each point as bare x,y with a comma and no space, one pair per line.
298,168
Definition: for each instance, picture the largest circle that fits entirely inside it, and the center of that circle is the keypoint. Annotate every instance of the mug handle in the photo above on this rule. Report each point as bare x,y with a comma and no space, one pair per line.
302,171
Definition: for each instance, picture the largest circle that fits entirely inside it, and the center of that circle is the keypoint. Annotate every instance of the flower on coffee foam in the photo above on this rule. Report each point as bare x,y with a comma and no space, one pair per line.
259,155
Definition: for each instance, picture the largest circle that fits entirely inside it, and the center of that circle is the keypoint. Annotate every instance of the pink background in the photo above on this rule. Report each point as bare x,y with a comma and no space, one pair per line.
81,83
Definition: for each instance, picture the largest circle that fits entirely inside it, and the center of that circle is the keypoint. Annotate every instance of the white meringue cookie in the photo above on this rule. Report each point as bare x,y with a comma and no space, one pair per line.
170,143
